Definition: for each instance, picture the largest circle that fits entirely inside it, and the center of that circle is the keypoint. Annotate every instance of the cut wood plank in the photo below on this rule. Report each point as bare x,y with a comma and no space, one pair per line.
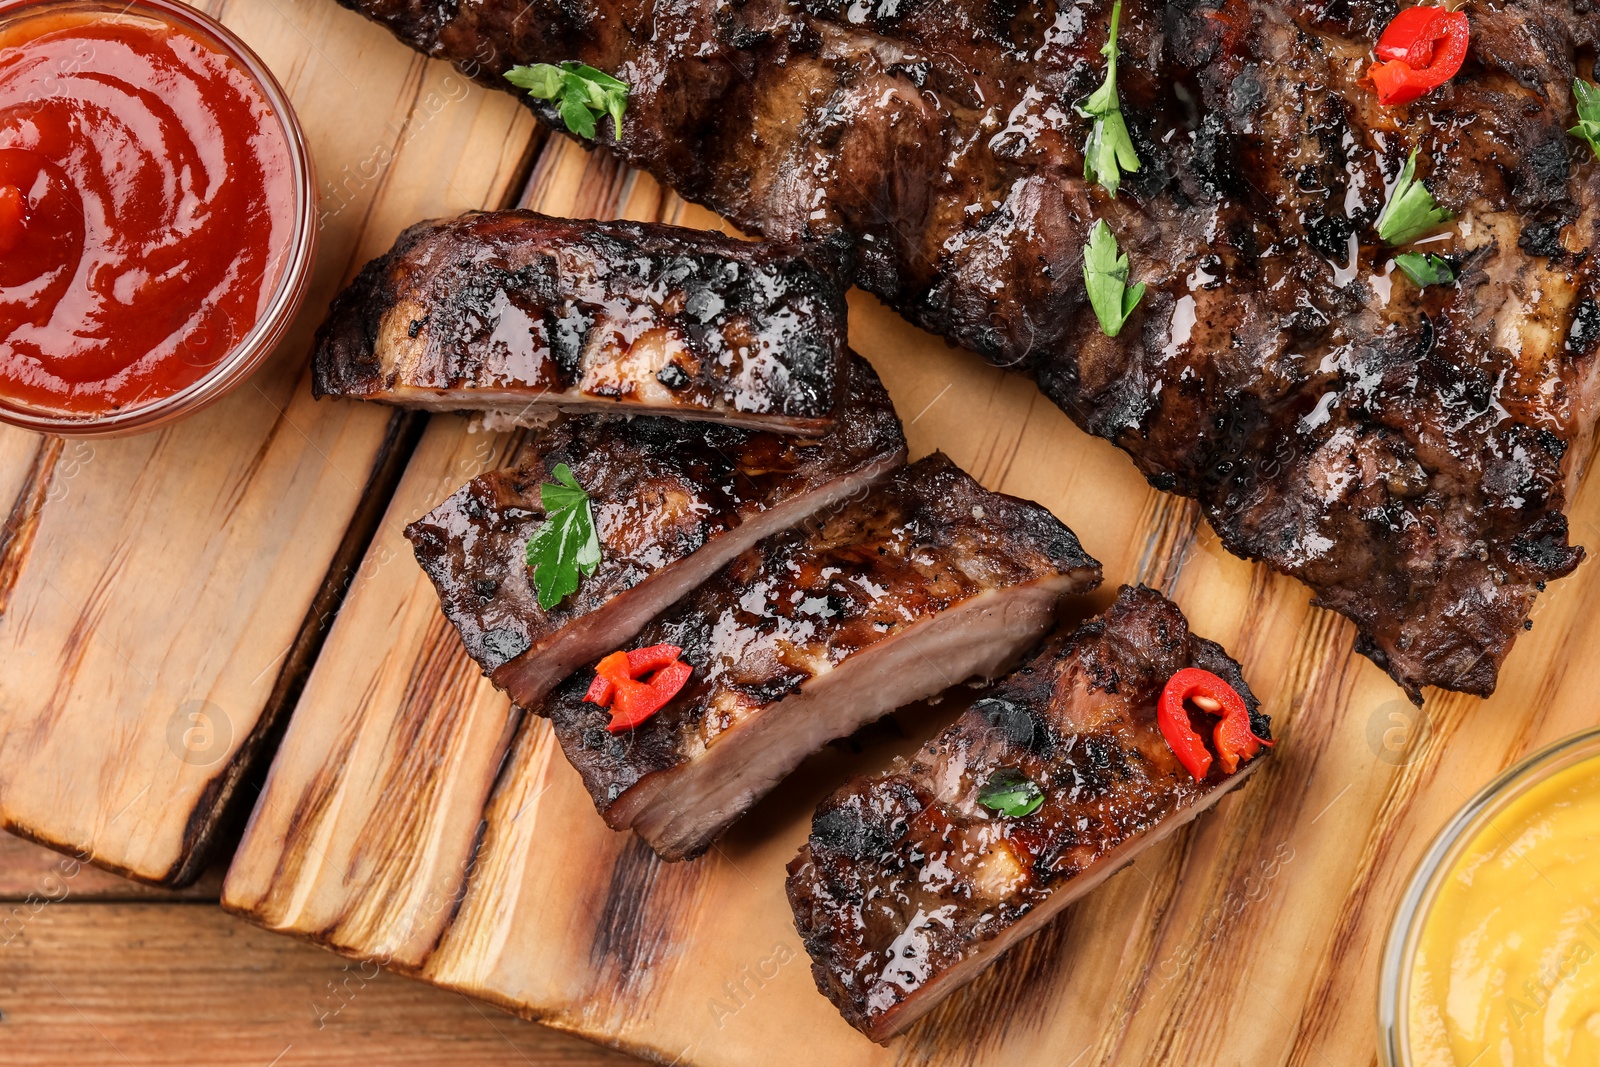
1250,937
31,873
161,595
140,984
421,732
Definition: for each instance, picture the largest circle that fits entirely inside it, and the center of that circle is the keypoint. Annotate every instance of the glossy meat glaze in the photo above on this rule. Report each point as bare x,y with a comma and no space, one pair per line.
522,314
1408,453
834,623
908,888
663,492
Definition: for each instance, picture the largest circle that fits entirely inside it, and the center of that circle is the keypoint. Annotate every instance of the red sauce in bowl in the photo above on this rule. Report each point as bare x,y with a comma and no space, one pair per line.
147,207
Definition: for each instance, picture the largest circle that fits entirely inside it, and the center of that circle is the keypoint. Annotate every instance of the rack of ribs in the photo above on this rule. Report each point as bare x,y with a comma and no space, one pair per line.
524,315
673,501
908,887
927,581
1407,452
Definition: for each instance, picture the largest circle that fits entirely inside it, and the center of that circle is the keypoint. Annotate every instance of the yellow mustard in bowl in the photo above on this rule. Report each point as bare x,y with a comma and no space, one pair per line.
1505,968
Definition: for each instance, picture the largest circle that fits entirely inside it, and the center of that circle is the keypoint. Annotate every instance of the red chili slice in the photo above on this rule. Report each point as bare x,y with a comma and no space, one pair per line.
614,668
1234,739
1421,49
600,690
637,701
617,683
641,661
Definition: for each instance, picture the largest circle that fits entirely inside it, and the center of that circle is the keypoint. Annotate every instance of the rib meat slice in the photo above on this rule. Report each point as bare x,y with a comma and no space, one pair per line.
928,581
908,888
673,501
523,315
1408,452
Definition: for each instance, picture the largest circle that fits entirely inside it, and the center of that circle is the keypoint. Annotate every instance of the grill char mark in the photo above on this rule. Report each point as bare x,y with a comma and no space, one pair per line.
519,313
907,888
815,632
1285,387
673,501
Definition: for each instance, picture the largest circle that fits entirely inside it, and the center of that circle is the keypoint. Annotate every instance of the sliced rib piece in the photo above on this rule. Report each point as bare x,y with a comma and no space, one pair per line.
908,888
523,315
928,581
1407,452
673,501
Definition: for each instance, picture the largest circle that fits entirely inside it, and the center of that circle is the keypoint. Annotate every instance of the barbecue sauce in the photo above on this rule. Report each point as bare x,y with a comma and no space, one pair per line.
146,209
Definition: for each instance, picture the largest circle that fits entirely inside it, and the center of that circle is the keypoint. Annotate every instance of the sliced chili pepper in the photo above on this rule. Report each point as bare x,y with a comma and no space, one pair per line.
614,668
617,671
600,690
641,661
1234,739
1421,49
637,701
1407,38
1173,718
628,706
617,683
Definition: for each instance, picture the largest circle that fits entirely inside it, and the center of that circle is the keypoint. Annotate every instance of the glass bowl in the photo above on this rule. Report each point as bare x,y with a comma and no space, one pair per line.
1400,951
257,344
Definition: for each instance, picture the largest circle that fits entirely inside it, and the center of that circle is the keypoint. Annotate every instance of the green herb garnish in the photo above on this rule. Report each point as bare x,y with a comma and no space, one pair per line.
1411,211
566,542
1109,150
1425,270
1105,273
581,93
1012,795
1587,95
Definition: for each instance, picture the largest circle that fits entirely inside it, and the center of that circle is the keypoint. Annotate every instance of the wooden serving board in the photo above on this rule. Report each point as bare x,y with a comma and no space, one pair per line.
161,596
391,829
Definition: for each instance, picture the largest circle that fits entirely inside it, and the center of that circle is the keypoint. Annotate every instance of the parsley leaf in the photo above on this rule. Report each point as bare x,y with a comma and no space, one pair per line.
1587,96
581,93
1411,211
566,542
1109,150
1425,270
1105,274
1012,795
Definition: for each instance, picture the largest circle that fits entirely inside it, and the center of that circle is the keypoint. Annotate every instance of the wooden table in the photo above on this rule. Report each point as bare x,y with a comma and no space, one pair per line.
251,564
97,969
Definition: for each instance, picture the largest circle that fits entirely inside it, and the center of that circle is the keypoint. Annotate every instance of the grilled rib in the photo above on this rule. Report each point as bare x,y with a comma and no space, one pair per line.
1407,453
523,315
673,501
908,888
924,583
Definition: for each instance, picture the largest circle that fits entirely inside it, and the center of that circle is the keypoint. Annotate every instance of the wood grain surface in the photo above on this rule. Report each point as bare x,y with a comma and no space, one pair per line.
390,829
422,732
161,596
95,969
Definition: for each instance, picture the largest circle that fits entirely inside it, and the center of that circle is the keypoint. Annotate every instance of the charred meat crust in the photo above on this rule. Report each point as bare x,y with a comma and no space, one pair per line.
907,887
1406,452
662,491
511,310
794,609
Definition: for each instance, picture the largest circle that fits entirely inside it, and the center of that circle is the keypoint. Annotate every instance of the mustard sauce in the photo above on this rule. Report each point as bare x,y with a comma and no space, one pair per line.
1507,968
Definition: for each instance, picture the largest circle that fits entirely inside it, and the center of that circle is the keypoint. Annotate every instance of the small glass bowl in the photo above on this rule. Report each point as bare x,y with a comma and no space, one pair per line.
254,347
1400,952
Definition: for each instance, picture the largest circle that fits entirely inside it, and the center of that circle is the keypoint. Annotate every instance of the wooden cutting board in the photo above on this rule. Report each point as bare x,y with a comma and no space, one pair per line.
162,596
391,829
